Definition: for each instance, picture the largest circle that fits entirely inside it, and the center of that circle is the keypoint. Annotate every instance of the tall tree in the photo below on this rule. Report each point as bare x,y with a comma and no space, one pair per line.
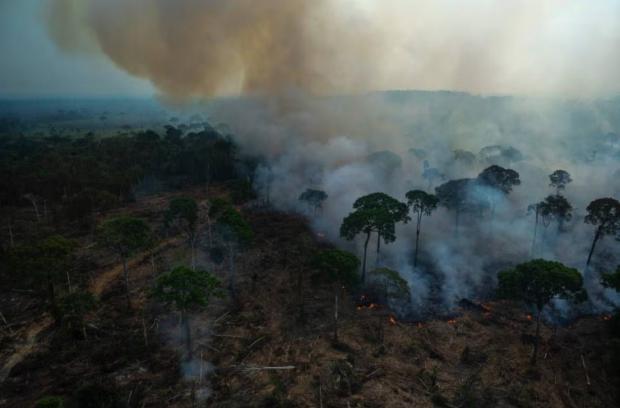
377,212
313,199
421,204
604,214
187,289
536,283
556,207
499,179
183,213
559,179
339,268
124,235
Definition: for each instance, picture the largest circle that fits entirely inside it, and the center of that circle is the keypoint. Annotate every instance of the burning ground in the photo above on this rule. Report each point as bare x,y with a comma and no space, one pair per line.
261,354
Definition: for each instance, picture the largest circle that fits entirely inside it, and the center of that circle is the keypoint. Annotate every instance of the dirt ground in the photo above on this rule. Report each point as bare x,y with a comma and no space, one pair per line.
275,348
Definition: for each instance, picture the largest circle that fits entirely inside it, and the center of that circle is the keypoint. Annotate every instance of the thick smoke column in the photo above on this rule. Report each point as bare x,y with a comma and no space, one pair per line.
202,48
198,48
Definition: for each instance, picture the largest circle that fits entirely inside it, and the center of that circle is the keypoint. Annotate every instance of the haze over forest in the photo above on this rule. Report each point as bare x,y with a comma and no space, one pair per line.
311,132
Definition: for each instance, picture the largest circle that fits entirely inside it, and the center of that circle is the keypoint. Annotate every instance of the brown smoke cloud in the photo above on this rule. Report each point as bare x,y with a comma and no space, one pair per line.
196,48
205,48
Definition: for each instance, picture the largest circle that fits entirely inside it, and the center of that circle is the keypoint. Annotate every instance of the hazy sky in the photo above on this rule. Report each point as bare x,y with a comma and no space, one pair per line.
32,65
196,48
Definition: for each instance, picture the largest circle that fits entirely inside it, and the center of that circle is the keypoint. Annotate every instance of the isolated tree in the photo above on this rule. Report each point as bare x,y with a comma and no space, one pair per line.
124,235
186,290
47,262
499,179
339,268
604,214
421,204
377,212
313,199
559,180
536,283
183,213
237,234
556,208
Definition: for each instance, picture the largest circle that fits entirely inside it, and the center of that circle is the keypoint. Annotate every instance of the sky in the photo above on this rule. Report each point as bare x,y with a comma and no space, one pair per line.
33,66
205,48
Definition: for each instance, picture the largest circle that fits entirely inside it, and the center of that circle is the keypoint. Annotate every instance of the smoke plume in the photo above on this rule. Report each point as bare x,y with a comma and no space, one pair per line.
204,48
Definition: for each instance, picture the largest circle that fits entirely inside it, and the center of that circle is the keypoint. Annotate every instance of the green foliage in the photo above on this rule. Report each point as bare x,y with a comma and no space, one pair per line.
537,282
45,261
337,266
182,208
499,178
182,211
611,280
604,213
78,175
421,202
124,235
559,179
50,402
395,287
234,228
555,207
377,212
185,288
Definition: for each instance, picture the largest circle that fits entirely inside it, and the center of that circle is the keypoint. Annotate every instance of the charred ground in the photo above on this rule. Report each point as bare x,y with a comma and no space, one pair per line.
274,346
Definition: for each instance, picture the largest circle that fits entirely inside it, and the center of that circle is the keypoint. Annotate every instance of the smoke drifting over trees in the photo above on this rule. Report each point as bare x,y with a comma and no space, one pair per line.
280,51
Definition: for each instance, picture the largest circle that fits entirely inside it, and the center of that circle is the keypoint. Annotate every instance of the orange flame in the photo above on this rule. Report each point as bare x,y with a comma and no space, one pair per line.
529,317
392,320
452,321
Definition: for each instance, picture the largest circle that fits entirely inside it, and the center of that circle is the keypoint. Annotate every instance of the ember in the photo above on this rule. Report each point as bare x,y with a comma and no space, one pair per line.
452,321
606,317
392,320
529,317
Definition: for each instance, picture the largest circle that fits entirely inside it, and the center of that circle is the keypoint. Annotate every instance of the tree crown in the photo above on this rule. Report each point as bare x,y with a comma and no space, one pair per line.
559,179
377,212
421,202
337,266
185,288
604,213
124,234
499,178
537,282
183,209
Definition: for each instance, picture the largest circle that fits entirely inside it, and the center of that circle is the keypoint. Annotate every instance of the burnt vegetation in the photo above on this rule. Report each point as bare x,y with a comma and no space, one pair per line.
149,268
